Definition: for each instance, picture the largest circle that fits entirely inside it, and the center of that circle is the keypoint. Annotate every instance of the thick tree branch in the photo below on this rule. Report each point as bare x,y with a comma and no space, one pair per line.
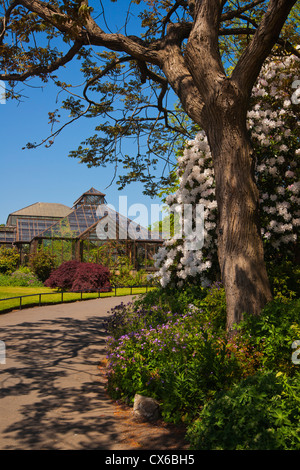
261,44
236,31
51,14
177,73
196,72
202,50
89,33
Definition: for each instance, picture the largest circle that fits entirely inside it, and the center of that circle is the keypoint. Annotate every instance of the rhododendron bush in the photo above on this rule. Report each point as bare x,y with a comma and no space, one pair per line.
274,130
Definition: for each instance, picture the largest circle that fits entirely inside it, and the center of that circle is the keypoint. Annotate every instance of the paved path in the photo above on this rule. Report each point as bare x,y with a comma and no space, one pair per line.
52,388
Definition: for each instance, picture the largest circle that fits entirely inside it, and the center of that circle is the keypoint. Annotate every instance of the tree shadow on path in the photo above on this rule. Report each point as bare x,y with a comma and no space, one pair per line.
53,396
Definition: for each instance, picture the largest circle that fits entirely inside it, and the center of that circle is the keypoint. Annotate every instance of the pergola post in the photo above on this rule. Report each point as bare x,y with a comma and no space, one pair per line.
78,250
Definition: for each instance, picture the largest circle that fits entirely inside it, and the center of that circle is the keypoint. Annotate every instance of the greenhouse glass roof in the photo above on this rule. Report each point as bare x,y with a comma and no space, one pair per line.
90,218
7,234
85,219
78,221
27,229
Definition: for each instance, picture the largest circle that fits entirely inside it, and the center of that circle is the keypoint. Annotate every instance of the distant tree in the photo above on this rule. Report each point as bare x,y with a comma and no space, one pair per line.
182,45
9,259
42,263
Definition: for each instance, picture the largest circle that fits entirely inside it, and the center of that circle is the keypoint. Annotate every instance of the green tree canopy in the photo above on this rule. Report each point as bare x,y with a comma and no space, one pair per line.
122,83
208,53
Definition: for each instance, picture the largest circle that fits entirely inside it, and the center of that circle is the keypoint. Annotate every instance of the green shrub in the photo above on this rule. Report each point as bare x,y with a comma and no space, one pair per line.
213,306
128,318
9,259
284,280
261,412
4,280
21,278
125,275
153,308
175,358
173,300
273,332
42,264
26,279
24,269
211,303
173,346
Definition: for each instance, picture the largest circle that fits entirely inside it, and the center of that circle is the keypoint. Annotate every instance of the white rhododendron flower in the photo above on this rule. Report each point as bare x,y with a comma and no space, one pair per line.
274,128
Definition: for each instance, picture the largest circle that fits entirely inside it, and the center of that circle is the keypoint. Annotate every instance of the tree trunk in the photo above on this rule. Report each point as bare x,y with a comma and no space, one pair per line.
240,247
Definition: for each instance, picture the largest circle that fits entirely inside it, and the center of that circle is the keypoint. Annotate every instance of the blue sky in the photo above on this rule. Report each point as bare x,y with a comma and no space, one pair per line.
48,174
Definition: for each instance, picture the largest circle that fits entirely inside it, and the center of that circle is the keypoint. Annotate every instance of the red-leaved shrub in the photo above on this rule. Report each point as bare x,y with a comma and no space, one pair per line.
63,277
75,276
91,277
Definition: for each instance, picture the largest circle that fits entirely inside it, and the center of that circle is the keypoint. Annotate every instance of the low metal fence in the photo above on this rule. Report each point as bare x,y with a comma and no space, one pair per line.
113,292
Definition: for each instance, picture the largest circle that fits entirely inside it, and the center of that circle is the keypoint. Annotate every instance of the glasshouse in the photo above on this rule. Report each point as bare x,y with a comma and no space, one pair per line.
90,231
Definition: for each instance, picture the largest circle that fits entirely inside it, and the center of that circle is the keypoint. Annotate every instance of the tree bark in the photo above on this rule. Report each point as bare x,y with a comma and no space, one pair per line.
240,247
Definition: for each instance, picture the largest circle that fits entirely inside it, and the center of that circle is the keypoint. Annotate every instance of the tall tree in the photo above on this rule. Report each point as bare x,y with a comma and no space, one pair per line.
178,48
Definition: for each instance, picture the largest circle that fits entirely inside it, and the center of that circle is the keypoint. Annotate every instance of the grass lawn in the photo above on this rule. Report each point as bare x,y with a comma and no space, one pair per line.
54,297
